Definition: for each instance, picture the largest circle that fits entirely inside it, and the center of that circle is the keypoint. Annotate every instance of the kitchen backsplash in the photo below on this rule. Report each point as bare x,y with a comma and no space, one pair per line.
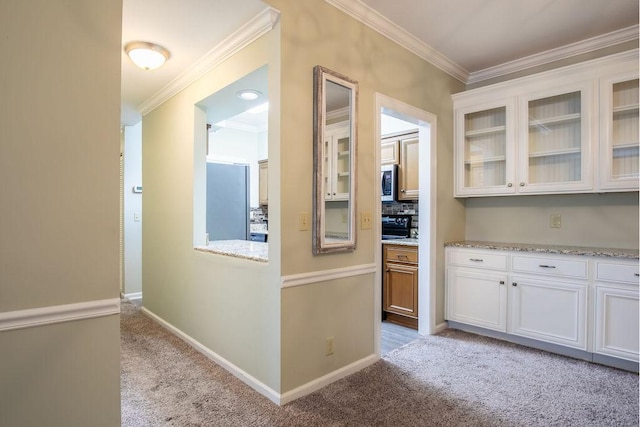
405,208
259,215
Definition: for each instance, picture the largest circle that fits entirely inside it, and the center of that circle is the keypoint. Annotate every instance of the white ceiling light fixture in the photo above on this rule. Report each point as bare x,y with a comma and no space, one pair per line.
145,55
248,94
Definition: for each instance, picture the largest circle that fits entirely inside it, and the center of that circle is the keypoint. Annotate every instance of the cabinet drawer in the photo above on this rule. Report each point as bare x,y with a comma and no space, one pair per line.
617,272
550,266
494,261
401,254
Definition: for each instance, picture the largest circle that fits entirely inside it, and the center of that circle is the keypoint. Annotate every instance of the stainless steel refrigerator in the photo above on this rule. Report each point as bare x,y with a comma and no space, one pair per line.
227,201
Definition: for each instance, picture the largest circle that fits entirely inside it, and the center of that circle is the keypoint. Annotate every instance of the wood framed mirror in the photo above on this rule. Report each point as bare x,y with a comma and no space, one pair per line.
334,137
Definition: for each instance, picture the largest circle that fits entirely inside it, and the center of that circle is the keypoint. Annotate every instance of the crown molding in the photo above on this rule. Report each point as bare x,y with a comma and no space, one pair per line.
374,20
585,46
248,33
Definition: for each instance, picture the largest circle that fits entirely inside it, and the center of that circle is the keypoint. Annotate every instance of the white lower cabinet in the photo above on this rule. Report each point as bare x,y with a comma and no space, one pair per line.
587,303
477,298
550,311
616,310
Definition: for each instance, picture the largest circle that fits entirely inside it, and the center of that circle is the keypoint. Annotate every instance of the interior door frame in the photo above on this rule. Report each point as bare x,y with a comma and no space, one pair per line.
427,134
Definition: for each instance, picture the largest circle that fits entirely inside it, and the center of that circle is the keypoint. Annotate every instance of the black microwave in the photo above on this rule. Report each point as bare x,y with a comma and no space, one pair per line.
388,178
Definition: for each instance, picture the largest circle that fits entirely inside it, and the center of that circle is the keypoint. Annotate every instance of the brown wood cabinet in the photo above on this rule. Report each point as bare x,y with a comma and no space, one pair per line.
403,149
408,177
263,189
389,152
400,284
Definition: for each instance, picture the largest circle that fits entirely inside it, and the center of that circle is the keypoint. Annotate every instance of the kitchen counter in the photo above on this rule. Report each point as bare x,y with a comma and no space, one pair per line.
401,242
255,251
549,249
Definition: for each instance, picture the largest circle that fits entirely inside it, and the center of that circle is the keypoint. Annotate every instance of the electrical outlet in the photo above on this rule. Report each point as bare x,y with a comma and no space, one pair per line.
555,221
303,221
366,221
328,346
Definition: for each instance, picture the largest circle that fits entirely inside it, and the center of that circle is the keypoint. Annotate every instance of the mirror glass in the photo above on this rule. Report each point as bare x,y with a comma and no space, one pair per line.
335,101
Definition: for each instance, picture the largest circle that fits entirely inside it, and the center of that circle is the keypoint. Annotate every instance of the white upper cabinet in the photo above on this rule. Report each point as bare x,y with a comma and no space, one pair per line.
336,162
619,132
484,151
570,130
555,140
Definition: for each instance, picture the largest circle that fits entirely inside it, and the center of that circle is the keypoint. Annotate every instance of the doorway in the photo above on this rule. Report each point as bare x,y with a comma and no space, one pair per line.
426,124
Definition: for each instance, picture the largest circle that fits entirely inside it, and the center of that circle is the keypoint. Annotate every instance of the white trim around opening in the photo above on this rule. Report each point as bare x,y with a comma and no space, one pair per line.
427,134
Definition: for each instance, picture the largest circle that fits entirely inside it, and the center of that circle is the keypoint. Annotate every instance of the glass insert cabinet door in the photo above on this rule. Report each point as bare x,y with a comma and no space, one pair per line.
619,133
337,165
556,141
485,148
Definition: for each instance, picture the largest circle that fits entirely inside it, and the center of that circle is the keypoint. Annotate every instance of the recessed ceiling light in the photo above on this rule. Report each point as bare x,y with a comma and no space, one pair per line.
248,94
145,55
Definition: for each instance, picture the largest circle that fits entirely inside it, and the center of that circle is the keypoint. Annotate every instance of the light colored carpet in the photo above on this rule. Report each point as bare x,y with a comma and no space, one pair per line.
452,379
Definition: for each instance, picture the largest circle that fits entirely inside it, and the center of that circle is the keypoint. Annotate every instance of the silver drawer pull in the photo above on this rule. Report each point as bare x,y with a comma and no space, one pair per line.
547,266
403,257
476,259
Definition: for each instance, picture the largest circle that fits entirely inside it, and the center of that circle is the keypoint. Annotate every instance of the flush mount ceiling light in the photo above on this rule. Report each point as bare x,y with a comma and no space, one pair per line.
248,94
145,55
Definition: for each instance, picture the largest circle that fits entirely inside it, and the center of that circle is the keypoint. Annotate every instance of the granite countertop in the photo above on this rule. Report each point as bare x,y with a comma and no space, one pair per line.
548,249
402,242
258,228
255,251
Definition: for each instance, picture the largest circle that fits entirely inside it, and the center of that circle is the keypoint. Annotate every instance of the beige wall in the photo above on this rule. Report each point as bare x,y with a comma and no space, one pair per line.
601,220
59,151
235,307
229,305
315,33
61,375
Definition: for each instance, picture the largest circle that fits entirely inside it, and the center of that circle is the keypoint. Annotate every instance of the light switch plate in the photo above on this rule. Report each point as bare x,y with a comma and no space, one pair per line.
366,221
303,221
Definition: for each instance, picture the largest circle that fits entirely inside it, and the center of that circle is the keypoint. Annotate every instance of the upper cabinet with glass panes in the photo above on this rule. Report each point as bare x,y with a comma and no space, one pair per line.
619,132
484,149
556,139
540,134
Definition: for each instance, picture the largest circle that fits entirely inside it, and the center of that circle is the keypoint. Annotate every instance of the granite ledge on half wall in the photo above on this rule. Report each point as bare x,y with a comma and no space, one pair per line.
548,249
401,242
254,251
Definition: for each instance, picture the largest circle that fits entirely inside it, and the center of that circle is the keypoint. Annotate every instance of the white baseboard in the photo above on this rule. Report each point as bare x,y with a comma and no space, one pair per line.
133,296
254,383
41,316
325,380
440,327
243,376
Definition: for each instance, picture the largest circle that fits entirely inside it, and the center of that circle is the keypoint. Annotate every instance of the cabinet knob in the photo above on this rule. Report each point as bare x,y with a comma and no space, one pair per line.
402,191
522,184
502,282
637,274
510,184
514,284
